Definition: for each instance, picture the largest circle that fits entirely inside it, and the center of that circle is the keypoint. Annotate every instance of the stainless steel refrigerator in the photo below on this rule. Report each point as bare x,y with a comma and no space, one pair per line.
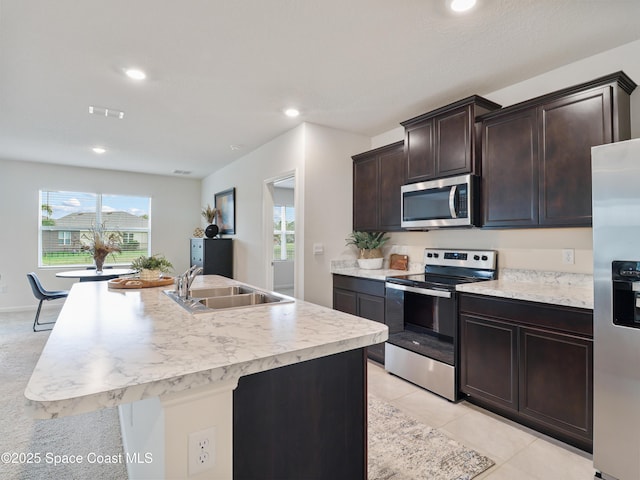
616,274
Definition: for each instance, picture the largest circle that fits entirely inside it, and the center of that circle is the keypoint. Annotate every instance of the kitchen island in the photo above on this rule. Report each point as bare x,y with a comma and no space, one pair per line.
271,387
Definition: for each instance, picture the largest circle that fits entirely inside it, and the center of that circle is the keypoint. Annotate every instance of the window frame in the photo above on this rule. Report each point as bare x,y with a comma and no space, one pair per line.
99,219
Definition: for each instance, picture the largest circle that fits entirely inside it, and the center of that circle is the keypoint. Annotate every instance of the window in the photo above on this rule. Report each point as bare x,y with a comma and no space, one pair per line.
283,232
67,219
64,238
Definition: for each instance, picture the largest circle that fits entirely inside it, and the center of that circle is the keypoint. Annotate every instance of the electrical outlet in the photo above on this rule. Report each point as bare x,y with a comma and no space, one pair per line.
202,451
568,256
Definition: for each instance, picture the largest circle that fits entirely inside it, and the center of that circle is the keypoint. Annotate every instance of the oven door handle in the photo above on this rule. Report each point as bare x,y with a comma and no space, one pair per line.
422,291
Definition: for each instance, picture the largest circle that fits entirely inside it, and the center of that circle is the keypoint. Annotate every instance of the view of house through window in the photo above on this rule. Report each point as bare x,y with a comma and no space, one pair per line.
283,232
68,220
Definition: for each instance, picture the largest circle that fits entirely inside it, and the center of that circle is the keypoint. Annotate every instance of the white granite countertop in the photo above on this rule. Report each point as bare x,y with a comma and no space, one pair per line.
115,346
557,288
350,268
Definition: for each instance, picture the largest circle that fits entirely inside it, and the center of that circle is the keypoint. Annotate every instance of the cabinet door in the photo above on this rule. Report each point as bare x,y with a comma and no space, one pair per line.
371,307
421,162
365,194
510,170
570,127
556,381
392,177
453,145
488,360
217,256
345,301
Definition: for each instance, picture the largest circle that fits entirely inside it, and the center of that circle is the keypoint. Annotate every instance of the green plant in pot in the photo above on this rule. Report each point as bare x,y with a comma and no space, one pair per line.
150,268
369,245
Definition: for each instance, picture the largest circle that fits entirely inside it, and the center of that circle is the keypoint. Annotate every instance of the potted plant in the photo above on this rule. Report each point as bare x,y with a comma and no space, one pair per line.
150,268
210,214
99,243
369,244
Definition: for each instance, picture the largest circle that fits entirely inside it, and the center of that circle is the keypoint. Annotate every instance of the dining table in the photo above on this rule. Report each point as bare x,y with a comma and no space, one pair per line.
93,275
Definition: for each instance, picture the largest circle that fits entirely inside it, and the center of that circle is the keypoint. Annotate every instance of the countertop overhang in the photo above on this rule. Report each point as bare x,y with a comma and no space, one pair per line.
111,347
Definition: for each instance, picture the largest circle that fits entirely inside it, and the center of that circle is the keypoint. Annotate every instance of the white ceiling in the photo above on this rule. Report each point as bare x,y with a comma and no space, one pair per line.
221,71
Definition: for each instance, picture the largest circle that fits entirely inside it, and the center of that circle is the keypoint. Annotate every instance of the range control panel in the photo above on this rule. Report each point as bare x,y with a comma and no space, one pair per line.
484,259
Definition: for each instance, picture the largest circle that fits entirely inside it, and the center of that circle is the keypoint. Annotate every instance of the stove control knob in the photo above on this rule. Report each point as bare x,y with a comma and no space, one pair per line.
476,257
436,255
485,258
429,255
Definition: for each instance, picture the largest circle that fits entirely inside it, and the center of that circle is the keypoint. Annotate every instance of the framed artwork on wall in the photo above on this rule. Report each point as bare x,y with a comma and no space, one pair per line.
226,203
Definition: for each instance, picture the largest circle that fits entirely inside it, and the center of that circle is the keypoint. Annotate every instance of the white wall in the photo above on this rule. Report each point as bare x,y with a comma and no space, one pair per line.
248,175
538,249
175,213
328,203
321,157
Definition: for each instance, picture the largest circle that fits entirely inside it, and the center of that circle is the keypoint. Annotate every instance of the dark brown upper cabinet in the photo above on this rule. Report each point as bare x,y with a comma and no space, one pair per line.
536,155
443,142
377,177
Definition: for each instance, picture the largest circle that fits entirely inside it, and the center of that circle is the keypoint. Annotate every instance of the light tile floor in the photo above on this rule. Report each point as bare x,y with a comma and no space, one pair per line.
519,452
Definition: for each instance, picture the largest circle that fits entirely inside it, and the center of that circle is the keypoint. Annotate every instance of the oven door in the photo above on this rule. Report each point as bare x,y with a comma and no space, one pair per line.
425,310
422,337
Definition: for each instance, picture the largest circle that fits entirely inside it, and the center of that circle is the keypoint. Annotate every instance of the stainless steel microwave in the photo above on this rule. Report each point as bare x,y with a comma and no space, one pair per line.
446,202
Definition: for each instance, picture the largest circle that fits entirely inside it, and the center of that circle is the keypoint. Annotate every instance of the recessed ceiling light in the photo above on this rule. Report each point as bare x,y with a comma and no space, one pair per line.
99,150
461,5
135,73
292,112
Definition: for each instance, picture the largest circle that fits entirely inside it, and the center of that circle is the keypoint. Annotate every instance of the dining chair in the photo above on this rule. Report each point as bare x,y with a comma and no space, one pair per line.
42,294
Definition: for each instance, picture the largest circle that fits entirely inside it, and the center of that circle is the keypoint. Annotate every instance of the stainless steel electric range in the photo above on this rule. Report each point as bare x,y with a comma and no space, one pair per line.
422,316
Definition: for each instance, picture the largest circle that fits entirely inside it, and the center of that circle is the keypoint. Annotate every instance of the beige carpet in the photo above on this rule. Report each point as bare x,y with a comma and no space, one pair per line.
400,448
35,446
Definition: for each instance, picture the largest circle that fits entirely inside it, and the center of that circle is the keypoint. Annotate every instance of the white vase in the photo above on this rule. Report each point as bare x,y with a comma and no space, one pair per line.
370,263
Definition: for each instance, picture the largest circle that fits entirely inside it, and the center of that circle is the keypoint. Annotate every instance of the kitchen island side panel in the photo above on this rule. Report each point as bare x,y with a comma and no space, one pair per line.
307,420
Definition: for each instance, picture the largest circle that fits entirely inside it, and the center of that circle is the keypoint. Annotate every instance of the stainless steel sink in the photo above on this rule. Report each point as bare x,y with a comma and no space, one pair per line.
205,292
205,300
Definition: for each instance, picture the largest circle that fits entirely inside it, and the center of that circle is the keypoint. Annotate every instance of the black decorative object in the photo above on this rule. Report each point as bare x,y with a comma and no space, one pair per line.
211,231
225,203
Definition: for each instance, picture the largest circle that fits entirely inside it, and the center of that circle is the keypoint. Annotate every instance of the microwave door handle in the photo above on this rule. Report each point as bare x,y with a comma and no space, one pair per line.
452,201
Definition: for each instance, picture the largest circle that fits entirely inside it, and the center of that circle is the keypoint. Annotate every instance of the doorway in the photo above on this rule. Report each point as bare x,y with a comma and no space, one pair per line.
280,231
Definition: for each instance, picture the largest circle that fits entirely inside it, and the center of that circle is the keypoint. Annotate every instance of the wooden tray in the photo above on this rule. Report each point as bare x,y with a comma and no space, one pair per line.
398,262
137,283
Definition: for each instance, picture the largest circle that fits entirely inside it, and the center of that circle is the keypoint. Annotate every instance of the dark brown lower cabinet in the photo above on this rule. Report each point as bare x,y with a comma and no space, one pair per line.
362,297
306,420
490,360
530,362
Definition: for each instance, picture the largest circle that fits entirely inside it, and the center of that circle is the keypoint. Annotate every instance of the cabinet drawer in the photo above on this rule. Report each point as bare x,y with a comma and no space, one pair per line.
563,319
360,285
